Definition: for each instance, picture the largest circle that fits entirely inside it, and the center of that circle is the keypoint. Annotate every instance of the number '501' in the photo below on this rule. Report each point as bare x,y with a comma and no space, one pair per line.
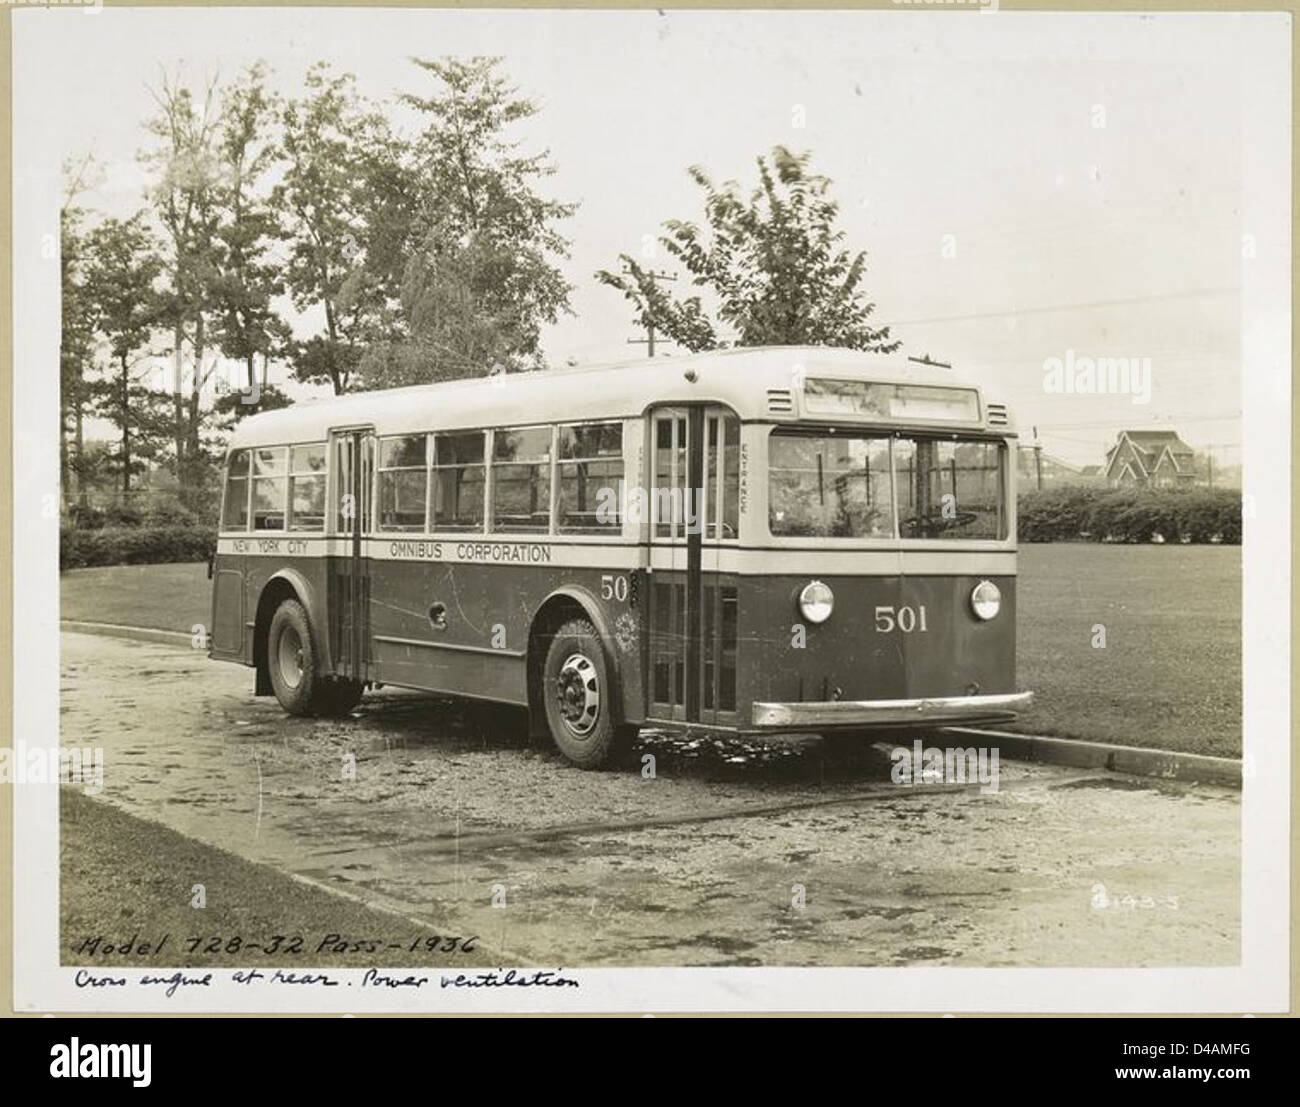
906,619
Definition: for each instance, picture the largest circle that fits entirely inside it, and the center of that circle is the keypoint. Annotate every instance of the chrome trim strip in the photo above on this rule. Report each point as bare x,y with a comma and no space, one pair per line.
392,641
864,712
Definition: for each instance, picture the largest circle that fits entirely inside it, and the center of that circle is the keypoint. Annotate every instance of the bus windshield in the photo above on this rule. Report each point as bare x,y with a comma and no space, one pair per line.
825,483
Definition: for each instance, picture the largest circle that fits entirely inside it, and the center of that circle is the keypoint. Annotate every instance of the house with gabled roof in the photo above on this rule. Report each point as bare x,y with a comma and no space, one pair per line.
1150,459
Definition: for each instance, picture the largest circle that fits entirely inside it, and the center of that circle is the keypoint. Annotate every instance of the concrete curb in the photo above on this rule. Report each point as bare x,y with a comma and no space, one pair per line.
1134,760
1166,764
139,634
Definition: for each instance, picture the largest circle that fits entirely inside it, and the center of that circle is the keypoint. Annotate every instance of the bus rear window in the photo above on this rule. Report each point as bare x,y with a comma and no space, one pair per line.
234,509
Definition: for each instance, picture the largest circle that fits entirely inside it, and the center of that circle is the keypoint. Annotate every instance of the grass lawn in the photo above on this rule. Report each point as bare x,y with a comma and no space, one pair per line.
164,597
1170,672
122,876
1169,675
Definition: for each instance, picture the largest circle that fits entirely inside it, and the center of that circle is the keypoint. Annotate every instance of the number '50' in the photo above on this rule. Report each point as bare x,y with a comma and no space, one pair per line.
613,588
906,619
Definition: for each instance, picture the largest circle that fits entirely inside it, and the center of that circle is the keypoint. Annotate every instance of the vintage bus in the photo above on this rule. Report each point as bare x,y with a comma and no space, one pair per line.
741,542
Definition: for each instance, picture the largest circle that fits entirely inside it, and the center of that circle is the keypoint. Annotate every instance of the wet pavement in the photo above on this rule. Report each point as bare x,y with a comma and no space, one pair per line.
438,810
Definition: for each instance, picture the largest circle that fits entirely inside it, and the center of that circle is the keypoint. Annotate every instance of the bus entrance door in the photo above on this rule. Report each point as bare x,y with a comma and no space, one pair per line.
692,608
352,465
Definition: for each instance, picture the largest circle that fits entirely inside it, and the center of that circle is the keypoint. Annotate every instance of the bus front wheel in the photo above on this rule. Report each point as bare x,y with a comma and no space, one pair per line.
578,694
291,657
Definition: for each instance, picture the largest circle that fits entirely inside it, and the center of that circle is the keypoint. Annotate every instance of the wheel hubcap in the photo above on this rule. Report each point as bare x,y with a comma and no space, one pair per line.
290,657
578,694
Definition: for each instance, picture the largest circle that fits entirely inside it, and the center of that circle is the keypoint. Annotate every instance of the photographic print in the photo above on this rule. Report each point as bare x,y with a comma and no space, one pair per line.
651,510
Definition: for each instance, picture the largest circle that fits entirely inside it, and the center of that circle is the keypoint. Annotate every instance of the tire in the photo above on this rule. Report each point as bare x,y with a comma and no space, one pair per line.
295,670
578,693
338,697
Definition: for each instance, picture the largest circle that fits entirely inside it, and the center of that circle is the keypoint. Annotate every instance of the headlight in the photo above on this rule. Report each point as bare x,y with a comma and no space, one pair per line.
985,599
816,601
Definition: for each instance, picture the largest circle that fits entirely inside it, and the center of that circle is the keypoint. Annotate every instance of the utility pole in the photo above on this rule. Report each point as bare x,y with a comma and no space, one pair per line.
925,359
1209,457
1038,459
649,339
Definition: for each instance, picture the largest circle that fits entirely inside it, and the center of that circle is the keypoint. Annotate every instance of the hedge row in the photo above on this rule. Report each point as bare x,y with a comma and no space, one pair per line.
1074,514
147,545
159,513
1055,515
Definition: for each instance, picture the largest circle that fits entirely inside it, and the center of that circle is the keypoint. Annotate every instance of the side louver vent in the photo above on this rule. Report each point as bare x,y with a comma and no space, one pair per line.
997,415
779,401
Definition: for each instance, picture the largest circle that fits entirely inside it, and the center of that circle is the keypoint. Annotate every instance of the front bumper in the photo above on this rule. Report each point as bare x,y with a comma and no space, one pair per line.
862,713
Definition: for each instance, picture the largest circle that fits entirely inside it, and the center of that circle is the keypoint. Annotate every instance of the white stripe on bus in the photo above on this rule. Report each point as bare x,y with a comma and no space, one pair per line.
626,556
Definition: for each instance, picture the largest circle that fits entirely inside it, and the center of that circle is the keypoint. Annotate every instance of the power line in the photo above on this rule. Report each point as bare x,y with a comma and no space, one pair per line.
1190,294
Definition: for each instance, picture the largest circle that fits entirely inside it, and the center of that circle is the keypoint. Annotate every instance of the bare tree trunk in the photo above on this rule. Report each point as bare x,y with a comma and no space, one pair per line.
82,493
190,486
126,433
65,470
178,407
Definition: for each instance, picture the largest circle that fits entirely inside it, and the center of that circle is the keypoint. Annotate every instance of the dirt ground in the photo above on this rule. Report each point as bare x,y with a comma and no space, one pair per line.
788,853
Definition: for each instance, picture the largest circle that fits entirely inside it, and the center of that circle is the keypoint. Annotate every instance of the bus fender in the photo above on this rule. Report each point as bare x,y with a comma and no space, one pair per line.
280,586
590,605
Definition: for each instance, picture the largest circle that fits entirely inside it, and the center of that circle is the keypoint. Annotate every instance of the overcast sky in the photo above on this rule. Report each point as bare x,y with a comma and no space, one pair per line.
1119,239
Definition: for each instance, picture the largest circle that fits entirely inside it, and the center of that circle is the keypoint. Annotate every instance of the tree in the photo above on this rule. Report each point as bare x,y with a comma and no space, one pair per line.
773,264
185,203
480,279
345,193
122,266
77,335
245,277
231,407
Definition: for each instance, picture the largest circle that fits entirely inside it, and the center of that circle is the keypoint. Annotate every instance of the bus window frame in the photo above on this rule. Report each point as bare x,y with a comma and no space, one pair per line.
428,436
431,521
489,486
611,534
247,478
290,474
253,478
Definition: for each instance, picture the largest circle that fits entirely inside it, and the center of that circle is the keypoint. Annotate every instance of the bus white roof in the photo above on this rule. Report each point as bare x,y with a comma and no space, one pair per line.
740,378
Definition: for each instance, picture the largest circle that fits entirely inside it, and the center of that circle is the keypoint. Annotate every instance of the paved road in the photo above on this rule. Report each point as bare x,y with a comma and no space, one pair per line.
449,805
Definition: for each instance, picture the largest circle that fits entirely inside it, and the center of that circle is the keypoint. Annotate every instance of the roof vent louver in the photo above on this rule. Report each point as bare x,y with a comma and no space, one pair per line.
779,401
997,414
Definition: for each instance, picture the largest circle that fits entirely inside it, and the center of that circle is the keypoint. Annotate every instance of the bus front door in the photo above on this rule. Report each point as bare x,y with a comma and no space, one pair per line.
352,456
694,472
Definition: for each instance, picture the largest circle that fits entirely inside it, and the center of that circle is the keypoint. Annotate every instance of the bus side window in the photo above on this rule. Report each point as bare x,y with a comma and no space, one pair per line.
521,480
234,511
307,487
403,482
270,487
589,469
458,480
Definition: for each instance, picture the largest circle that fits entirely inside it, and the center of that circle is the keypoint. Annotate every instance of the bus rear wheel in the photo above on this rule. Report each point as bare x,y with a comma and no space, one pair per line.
295,677
578,690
